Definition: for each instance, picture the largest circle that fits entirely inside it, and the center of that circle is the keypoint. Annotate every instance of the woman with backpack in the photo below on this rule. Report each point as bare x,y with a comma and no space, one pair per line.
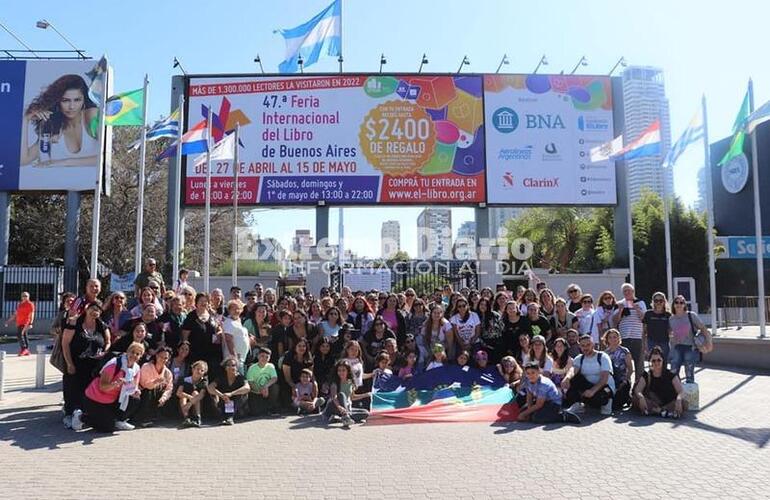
689,338
113,397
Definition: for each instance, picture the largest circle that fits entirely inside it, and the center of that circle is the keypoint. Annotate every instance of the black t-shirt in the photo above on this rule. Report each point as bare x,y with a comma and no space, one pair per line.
189,386
155,332
541,326
657,325
512,332
296,365
173,335
574,306
322,368
224,386
87,345
201,337
662,386
375,345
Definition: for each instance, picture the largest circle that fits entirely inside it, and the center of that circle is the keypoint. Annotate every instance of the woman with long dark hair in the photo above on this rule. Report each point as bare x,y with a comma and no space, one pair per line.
62,115
360,316
391,314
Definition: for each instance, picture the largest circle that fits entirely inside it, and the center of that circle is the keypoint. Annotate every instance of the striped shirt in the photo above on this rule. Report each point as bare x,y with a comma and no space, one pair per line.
630,325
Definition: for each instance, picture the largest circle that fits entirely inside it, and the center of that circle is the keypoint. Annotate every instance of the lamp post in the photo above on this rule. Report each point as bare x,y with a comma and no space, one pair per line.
383,61
621,62
45,24
543,62
258,60
464,62
582,62
423,62
177,64
8,30
503,61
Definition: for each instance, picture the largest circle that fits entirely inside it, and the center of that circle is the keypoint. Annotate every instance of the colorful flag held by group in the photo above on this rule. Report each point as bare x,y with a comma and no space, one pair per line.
320,36
445,394
126,109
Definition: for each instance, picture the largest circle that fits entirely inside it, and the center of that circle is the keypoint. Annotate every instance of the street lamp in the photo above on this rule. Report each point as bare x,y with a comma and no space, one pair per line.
464,62
177,64
621,62
258,60
423,62
301,63
45,24
29,49
543,62
504,60
383,61
582,62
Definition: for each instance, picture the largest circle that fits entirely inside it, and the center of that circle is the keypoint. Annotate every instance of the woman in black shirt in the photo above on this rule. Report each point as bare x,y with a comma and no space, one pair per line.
204,334
658,391
512,326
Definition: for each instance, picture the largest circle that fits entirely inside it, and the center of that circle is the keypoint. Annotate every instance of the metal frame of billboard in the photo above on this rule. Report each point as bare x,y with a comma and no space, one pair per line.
182,181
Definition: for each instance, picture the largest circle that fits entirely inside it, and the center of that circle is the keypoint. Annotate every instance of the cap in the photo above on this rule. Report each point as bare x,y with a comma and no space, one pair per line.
537,338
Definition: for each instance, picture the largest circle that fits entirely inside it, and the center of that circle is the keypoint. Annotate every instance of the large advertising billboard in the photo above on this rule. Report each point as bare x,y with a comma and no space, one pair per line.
49,126
540,130
343,139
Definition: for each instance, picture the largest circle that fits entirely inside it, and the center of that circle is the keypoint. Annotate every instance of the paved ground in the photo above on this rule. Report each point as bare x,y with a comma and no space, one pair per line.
720,451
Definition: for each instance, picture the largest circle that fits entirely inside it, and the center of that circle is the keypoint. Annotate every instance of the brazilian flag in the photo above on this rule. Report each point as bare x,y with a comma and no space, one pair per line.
126,109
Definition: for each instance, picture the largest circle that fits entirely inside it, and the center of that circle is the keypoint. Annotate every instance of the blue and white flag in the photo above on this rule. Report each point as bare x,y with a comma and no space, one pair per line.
321,36
693,133
761,115
166,128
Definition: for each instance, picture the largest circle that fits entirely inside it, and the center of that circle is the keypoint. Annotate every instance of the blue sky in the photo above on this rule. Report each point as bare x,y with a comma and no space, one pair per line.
703,47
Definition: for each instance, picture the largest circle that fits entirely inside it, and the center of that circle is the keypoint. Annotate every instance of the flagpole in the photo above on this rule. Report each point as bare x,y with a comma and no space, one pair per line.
710,220
177,191
207,225
630,223
140,201
98,189
667,234
760,248
236,167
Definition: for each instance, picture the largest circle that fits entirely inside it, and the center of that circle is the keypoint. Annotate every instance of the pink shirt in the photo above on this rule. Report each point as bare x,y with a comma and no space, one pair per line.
149,373
95,393
390,319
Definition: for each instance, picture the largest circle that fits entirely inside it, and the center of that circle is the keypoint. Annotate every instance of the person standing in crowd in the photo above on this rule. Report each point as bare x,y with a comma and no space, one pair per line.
574,293
217,304
588,321
573,344
622,368
181,281
628,318
91,295
203,333
171,322
24,318
360,316
437,330
491,335
180,363
562,320
84,344
689,338
150,273
547,303
656,326
590,380
543,402
537,322
605,309
235,343
562,361
115,314
659,392
393,317
466,325
147,297
498,304
513,326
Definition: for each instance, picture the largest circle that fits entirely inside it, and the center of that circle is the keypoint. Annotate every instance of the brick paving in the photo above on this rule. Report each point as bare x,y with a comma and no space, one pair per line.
720,451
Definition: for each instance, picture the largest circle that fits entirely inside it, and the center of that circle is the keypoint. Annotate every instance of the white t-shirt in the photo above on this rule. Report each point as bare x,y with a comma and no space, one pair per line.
465,330
592,370
588,322
235,329
548,363
358,371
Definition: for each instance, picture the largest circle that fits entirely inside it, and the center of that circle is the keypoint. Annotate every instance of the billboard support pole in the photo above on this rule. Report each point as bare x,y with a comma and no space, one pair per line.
236,168
140,201
760,248
177,194
710,221
207,224
5,225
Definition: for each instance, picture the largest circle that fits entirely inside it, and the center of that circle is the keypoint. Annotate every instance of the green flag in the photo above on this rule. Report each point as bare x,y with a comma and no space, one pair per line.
736,145
125,109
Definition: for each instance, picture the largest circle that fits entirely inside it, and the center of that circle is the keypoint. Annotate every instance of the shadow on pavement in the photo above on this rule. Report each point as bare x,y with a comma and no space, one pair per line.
40,427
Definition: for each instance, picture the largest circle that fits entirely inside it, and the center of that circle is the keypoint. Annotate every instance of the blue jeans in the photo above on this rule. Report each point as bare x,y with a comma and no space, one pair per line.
684,355
665,346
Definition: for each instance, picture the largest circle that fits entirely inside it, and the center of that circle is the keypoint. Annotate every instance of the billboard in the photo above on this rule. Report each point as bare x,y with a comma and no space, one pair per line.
343,139
540,130
49,125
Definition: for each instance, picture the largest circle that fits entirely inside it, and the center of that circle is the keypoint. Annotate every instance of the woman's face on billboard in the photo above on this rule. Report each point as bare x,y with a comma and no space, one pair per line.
71,103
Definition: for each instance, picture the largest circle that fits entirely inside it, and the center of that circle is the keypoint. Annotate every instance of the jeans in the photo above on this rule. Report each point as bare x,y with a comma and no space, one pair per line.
548,414
687,356
357,414
21,334
637,354
102,416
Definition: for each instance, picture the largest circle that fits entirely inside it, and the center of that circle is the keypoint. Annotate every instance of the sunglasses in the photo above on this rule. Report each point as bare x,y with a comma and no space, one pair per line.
230,365
656,360
410,341
660,301
187,293
678,302
571,291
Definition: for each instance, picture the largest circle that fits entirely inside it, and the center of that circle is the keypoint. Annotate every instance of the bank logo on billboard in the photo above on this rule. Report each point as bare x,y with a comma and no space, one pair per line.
505,120
591,124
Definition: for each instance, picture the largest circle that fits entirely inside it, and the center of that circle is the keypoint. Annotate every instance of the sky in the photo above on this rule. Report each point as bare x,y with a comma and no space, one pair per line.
706,48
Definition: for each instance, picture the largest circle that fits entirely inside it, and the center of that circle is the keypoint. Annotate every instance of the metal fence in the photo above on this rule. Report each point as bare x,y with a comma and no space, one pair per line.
45,285
424,276
735,310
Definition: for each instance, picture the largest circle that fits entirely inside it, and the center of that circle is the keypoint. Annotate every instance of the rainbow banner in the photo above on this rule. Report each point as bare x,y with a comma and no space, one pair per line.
448,394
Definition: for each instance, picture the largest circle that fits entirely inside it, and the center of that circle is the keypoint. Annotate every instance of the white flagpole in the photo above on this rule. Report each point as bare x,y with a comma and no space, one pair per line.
236,168
710,220
760,248
140,202
630,223
177,193
667,234
207,225
98,189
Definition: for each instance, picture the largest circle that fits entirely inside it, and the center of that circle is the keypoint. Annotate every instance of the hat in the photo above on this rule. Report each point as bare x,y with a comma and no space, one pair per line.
532,365
538,338
585,336
438,347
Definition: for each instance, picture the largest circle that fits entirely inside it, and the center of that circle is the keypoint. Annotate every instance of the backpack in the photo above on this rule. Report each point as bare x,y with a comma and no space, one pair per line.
106,359
599,355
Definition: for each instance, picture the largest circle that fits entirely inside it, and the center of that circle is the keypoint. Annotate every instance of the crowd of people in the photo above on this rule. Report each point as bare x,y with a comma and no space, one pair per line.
183,354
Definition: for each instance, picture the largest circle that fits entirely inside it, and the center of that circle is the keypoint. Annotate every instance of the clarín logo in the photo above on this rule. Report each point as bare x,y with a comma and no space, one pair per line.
505,120
507,179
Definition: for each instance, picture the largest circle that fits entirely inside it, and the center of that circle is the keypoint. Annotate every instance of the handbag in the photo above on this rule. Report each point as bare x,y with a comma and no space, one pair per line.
699,340
57,355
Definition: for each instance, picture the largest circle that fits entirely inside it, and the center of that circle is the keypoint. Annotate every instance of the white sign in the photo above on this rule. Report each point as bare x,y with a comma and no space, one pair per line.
540,130
367,279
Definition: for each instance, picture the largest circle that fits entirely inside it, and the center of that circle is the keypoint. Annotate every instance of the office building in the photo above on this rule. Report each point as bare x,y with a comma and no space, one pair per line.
390,238
434,234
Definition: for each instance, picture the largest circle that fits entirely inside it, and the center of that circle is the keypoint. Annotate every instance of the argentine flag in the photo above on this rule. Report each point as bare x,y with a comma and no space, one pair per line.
321,36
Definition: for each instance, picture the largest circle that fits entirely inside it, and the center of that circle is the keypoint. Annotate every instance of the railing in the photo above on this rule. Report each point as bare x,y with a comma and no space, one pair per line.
741,310
45,285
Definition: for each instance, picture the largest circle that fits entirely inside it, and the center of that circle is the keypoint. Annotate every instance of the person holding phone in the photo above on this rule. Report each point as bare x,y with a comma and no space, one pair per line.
628,318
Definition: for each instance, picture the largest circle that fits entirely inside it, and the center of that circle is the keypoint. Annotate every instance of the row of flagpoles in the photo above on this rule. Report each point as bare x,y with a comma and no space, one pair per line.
649,144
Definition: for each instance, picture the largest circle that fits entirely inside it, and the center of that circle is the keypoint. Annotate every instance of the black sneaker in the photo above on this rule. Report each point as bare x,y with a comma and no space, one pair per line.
570,417
188,422
228,421
196,420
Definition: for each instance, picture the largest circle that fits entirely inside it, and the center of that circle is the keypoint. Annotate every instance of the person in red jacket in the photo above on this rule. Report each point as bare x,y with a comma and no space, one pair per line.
24,316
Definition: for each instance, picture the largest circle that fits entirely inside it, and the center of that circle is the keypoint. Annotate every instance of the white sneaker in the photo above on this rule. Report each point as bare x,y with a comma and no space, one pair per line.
77,420
122,425
607,408
577,408
67,420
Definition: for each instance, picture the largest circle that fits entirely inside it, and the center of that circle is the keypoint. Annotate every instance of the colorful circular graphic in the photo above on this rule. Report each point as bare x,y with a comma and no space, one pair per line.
397,137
